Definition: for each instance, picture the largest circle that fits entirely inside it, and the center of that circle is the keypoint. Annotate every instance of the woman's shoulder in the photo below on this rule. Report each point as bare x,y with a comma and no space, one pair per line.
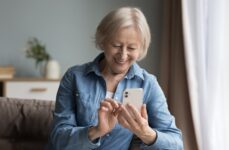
149,77
150,80
78,69
142,73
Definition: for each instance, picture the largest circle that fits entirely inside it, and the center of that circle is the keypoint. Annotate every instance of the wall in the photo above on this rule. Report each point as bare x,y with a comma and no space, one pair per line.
66,28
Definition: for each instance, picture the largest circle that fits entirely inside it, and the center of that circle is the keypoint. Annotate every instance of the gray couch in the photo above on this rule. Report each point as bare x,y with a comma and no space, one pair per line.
24,124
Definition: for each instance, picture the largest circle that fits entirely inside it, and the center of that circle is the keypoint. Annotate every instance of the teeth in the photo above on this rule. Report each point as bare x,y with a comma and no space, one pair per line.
120,61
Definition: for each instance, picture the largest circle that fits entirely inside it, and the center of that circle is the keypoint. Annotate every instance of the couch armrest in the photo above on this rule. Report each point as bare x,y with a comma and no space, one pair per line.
25,118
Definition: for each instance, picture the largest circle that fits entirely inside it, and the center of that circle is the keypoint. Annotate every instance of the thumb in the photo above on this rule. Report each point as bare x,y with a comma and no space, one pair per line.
102,112
144,112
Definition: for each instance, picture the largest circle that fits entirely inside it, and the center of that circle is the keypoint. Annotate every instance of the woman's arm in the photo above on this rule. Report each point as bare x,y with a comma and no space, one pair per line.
66,134
154,125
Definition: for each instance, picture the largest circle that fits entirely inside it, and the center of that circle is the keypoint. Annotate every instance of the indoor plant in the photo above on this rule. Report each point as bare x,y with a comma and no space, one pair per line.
37,51
49,68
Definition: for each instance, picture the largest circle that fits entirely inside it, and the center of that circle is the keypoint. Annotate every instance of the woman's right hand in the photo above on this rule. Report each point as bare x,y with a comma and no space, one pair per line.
107,119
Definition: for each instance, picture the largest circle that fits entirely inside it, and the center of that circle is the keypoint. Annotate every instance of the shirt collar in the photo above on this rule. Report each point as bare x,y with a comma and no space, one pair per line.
134,70
94,65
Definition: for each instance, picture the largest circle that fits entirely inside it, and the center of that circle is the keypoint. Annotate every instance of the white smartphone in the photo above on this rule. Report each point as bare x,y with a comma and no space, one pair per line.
133,96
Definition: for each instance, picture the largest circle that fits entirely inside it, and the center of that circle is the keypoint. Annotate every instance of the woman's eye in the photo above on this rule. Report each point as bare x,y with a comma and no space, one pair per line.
117,46
131,48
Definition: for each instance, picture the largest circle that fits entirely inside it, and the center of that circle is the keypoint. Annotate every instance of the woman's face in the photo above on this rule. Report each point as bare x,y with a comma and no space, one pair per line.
123,50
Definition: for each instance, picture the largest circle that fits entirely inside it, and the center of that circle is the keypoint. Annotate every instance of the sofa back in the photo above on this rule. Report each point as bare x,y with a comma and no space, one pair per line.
24,124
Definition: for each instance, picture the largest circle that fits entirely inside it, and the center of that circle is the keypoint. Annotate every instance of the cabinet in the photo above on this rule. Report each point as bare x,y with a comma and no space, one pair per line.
29,88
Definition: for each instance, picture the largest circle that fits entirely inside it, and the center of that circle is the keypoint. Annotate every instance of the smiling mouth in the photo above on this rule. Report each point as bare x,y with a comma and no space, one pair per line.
121,62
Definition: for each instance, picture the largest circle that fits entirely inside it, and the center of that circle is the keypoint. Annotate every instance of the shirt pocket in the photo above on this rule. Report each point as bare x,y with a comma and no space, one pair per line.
86,109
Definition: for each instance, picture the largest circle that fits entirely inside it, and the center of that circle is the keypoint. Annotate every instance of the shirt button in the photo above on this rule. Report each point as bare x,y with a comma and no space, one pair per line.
108,135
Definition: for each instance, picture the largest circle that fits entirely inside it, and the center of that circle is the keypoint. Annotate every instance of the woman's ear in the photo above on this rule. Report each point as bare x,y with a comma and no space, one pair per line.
102,46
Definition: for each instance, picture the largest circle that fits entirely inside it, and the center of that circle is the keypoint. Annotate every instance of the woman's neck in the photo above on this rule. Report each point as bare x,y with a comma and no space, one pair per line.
112,79
108,73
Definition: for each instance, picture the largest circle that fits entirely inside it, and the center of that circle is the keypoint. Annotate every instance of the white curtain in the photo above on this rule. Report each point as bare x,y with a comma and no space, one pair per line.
206,38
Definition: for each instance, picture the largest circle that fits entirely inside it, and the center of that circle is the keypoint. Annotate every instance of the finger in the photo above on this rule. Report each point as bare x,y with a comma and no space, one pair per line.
113,103
115,106
104,108
107,105
134,112
127,116
122,121
101,112
144,112
118,111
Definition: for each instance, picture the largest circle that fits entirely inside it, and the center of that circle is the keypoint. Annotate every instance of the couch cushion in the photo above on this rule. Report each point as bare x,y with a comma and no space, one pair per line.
25,119
21,145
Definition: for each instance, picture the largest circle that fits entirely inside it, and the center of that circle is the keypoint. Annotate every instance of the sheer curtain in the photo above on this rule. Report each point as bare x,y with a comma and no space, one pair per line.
205,24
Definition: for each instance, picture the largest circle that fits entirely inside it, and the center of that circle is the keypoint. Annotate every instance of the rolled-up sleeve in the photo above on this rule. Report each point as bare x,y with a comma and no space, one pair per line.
66,134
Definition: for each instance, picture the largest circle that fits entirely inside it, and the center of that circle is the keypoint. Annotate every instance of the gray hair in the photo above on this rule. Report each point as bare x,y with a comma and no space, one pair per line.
121,18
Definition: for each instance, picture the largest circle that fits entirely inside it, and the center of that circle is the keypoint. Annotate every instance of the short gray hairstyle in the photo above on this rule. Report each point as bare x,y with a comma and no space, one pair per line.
121,18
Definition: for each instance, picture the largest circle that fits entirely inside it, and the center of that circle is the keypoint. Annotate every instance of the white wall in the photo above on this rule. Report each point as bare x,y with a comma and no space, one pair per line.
67,29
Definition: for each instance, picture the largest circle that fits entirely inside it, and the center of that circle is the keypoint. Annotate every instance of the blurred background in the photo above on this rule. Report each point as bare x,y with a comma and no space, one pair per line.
189,53
67,30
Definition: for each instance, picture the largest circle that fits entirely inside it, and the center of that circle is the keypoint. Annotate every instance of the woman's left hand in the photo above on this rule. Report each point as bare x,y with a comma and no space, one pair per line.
137,122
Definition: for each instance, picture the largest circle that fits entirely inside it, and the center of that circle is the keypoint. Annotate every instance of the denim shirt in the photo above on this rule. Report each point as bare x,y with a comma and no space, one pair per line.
78,99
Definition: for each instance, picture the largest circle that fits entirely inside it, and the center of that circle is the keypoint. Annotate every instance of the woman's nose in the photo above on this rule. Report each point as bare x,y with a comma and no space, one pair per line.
123,52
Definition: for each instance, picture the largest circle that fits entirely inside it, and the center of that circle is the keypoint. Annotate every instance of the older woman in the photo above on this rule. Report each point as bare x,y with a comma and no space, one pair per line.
89,113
